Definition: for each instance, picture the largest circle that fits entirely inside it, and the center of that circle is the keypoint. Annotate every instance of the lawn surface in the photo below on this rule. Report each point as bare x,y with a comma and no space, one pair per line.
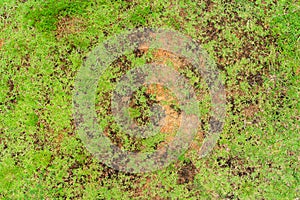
256,46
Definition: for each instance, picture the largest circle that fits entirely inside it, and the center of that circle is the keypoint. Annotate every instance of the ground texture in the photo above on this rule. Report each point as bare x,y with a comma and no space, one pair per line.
255,45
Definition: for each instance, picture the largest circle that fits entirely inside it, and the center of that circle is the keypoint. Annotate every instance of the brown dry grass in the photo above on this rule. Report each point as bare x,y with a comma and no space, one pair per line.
69,25
1,43
173,118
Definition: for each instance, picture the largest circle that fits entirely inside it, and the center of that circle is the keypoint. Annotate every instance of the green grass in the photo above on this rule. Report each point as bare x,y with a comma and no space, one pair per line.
256,47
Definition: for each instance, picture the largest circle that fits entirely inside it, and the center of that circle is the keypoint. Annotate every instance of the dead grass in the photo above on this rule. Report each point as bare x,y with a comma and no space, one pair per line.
173,118
1,43
69,25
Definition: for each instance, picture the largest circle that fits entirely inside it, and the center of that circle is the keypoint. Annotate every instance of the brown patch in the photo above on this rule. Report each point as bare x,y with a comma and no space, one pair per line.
58,140
123,63
187,173
11,85
183,13
167,100
298,70
173,118
145,189
165,57
238,166
69,25
113,135
209,5
1,43
197,142
251,110
162,57
252,48
165,96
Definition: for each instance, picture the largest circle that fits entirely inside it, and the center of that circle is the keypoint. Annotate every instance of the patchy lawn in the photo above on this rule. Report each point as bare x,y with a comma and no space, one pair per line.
255,45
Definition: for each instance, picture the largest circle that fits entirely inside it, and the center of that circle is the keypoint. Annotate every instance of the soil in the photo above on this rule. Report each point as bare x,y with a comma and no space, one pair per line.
187,173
